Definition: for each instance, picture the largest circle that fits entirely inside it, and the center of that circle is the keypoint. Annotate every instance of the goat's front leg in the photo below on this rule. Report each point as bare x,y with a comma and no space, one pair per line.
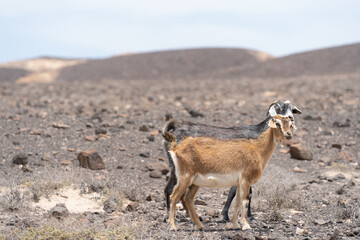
245,195
235,215
250,216
231,196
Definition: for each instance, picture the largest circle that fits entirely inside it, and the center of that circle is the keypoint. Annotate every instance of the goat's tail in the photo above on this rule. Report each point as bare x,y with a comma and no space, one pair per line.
167,135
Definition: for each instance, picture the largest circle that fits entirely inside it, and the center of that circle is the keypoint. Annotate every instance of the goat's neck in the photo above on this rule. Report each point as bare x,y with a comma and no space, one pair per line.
266,145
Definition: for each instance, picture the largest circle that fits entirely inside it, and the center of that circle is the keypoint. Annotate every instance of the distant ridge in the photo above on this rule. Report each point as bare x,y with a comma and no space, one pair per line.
11,74
196,64
327,61
175,64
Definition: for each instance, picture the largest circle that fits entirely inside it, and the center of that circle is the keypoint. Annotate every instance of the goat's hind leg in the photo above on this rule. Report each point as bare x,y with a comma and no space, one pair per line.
169,188
189,200
180,188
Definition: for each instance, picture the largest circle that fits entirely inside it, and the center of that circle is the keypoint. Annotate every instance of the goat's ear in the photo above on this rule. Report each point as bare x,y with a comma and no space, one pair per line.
272,123
271,110
295,110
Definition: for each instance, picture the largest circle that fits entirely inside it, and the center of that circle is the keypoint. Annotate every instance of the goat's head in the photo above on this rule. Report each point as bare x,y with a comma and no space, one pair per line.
284,108
283,126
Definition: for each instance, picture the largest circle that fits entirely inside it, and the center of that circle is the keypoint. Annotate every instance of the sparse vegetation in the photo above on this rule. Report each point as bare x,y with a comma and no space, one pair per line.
13,198
49,232
349,211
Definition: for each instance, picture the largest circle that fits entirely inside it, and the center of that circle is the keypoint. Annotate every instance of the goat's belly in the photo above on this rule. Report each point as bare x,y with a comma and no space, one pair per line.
216,180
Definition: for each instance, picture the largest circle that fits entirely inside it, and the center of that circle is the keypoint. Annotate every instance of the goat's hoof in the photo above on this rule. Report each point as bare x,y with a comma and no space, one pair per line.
226,218
200,227
245,227
235,225
252,219
173,228
201,219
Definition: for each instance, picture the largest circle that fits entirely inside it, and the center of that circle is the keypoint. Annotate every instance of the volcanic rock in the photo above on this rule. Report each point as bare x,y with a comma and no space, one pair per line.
111,205
300,152
156,174
162,167
20,159
59,211
91,159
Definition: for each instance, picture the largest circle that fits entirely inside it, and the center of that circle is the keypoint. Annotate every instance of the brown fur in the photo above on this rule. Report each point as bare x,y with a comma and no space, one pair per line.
204,155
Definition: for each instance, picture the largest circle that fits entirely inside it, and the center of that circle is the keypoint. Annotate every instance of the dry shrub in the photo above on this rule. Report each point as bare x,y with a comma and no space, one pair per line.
130,188
13,199
276,191
349,211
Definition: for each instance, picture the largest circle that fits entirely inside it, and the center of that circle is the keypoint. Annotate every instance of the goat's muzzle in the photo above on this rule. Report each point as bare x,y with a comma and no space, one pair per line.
288,135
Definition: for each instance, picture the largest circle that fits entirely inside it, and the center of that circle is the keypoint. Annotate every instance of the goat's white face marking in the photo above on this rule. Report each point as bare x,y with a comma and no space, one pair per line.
272,123
217,180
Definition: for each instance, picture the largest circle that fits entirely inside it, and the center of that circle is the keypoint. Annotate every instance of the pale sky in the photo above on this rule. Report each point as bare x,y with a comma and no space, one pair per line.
102,28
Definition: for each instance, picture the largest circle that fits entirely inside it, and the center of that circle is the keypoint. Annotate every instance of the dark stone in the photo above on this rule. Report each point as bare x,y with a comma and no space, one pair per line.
168,116
91,159
156,174
111,205
59,211
311,118
300,152
100,131
339,124
336,145
144,128
151,138
132,207
145,155
194,113
149,198
340,190
20,159
200,202
160,166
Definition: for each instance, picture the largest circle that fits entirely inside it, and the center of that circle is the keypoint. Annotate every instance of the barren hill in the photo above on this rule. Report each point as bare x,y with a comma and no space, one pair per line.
201,63
176,64
41,69
328,61
11,74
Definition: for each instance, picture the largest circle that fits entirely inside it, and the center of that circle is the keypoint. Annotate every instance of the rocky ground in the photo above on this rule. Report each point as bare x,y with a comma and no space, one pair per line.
45,194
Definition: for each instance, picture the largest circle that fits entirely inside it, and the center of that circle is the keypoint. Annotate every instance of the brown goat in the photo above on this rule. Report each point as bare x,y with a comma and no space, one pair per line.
216,163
